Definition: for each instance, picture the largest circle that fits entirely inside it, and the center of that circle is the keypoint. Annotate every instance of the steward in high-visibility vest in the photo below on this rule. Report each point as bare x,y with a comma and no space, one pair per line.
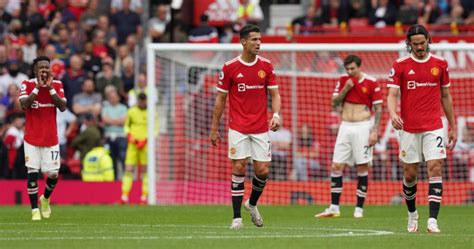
98,166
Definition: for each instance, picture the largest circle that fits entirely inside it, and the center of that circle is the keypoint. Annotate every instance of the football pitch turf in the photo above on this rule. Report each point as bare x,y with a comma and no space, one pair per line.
208,227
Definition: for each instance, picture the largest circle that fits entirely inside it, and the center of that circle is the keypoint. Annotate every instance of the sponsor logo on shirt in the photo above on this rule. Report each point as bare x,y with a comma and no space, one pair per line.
413,84
233,151
242,87
262,74
435,71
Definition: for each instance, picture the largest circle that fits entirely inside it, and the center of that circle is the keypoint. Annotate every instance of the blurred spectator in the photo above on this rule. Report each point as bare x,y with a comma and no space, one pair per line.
4,15
66,124
23,67
87,102
103,24
126,22
327,62
470,19
227,34
307,155
139,88
45,8
107,77
43,40
75,7
334,12
204,33
77,36
122,55
3,60
15,37
117,5
455,15
92,63
359,9
58,67
29,49
158,23
97,165
100,48
32,19
13,139
13,76
430,13
306,24
4,167
113,115
281,151
248,12
128,74
89,137
408,12
73,79
90,17
64,48
179,32
10,99
13,7
383,13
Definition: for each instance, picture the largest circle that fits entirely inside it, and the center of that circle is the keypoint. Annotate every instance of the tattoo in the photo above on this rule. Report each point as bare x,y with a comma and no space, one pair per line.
58,102
378,115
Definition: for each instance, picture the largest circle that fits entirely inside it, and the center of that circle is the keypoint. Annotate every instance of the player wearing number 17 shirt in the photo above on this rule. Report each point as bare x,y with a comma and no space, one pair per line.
39,98
247,79
422,81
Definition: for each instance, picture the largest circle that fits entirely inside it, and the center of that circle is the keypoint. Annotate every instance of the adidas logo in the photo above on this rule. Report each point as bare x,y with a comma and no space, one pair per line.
240,75
411,72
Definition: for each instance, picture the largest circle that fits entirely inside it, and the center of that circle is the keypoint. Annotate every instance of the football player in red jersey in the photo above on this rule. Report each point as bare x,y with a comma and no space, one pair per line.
422,81
247,79
358,93
39,98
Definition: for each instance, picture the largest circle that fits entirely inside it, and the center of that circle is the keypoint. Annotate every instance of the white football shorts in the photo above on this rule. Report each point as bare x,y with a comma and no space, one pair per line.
256,146
352,143
42,158
429,145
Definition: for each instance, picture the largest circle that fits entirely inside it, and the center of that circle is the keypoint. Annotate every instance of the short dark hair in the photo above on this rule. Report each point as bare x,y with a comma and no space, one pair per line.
245,31
204,18
417,29
353,58
38,59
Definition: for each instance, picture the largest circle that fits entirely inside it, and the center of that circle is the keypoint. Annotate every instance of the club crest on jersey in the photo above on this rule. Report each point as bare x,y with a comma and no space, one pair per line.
27,159
404,153
233,151
364,89
262,74
435,71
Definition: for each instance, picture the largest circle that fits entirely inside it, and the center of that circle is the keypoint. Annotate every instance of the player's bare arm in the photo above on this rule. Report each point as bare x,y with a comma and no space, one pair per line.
392,98
374,132
216,117
28,101
447,104
275,122
337,100
58,102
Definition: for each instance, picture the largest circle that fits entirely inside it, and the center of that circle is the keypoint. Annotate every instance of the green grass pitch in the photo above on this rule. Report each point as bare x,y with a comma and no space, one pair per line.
186,227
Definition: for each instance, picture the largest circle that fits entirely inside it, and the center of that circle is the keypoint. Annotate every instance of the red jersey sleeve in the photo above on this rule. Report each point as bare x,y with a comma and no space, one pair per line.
445,75
394,79
223,85
376,93
25,89
271,82
339,85
58,86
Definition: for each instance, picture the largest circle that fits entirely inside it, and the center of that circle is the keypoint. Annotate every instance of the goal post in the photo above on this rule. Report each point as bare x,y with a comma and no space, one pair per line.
183,167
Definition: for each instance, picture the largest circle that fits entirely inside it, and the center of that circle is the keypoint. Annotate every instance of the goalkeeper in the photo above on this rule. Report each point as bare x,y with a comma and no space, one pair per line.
136,128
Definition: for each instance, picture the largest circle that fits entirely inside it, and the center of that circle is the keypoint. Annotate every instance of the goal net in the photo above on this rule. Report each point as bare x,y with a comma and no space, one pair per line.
184,168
